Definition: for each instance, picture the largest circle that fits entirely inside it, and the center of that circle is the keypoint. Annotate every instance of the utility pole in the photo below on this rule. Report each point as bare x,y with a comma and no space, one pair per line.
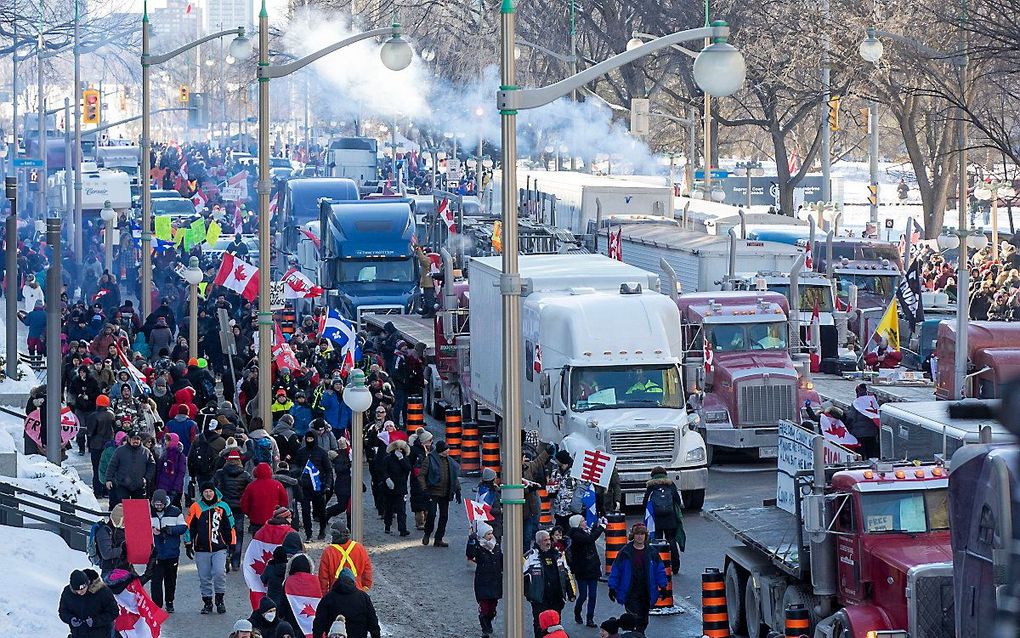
13,153
79,231
54,382
11,283
68,204
41,206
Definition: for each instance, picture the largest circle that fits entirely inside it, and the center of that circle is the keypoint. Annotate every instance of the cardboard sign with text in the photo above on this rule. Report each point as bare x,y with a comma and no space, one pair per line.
795,455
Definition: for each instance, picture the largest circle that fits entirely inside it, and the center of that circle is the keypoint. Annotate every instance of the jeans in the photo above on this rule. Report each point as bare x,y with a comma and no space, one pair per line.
399,405
395,506
164,579
441,504
313,501
212,572
235,557
586,589
530,529
97,486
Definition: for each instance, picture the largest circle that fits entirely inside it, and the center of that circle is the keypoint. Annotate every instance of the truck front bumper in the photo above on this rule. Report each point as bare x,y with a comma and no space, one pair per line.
742,438
632,482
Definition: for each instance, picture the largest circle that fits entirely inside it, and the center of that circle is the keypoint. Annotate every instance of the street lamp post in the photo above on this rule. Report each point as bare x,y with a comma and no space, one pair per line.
751,168
719,70
193,275
79,232
396,55
240,48
10,283
108,215
991,191
358,398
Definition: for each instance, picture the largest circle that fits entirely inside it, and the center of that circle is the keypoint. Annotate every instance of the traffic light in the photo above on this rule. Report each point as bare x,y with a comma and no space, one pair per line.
185,94
834,113
90,114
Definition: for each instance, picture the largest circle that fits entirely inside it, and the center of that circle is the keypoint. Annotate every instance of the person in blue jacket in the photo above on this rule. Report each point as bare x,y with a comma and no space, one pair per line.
331,404
167,529
302,413
36,322
638,576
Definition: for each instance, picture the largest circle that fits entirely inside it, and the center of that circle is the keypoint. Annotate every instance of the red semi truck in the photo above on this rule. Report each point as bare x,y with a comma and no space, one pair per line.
994,358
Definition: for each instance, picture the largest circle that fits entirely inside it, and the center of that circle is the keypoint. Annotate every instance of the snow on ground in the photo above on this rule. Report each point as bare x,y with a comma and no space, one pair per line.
36,565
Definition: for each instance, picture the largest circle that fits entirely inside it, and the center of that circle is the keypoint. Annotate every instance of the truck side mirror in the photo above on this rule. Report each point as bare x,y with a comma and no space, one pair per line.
543,384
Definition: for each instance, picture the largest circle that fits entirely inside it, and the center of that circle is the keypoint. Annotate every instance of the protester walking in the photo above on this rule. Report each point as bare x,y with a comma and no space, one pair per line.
483,550
585,564
209,538
548,583
167,529
345,599
440,479
87,607
638,576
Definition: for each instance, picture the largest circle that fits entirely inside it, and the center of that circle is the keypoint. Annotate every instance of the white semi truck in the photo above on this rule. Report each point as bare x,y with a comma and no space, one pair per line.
602,352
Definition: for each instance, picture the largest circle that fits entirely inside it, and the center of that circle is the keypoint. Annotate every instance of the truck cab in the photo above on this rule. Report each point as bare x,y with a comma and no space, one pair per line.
994,353
749,383
299,205
367,257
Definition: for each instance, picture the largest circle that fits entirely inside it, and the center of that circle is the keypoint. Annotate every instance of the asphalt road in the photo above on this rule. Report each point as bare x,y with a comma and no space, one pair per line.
427,591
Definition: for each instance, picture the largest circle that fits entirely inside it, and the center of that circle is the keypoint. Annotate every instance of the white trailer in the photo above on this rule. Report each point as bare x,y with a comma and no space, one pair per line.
98,187
602,352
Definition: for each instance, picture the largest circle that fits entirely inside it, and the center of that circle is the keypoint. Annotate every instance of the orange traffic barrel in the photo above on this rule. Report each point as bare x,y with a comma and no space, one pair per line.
470,458
490,452
545,517
714,621
288,321
415,414
454,431
616,537
798,621
663,549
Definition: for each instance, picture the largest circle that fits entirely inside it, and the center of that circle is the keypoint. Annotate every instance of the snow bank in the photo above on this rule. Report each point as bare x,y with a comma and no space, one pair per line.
29,379
36,565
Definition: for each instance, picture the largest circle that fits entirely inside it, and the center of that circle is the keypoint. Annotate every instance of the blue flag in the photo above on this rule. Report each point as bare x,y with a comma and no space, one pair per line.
650,519
313,476
588,501
343,333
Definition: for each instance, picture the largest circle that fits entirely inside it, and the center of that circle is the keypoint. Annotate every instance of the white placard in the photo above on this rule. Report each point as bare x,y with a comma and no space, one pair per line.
795,455
276,295
595,466
230,193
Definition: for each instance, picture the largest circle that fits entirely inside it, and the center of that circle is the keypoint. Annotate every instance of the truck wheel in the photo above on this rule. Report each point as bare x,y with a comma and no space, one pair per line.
736,580
841,627
694,499
799,595
752,612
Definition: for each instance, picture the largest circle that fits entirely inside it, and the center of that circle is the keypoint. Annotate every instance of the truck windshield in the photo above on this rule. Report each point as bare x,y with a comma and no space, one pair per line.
625,386
911,512
740,337
368,271
877,285
809,296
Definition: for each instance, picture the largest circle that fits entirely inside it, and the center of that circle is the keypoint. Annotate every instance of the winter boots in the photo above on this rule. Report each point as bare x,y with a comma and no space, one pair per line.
419,520
206,605
169,607
486,623
221,608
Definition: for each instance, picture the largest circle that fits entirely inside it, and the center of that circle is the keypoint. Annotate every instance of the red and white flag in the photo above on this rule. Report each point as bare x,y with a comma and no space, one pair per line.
239,276
478,511
182,169
258,555
709,355
303,594
815,358
316,241
794,164
444,212
594,466
273,205
536,365
809,261
199,199
135,373
139,616
615,249
298,286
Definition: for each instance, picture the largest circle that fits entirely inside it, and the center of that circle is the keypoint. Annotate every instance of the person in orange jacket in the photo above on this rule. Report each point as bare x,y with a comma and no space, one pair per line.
344,552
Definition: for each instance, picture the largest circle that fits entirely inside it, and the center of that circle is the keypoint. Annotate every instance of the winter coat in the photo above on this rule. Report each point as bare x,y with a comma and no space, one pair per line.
537,565
258,620
160,337
286,441
534,471
342,477
327,441
584,554
109,545
131,468
31,295
104,459
432,478
345,599
488,570
302,417
419,499
273,576
210,526
551,624
99,429
170,523
673,523
561,488
620,576
231,481
320,460
97,604
209,444
331,409
263,495
254,439
184,428
332,562
398,469
171,470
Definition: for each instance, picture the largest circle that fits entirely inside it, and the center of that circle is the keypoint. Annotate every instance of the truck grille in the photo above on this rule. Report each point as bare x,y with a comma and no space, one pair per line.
930,599
766,404
644,447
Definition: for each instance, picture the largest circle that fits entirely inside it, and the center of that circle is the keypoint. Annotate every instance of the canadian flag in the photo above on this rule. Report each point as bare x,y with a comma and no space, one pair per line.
834,430
815,358
537,364
444,212
258,555
139,616
615,250
709,355
303,594
273,205
239,276
298,286
478,511
199,199
809,262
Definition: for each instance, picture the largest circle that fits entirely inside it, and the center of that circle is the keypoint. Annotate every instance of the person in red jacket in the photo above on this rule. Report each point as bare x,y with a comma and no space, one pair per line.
262,496
185,396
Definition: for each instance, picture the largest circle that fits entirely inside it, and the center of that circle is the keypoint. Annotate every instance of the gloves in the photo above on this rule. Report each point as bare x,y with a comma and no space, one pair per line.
390,484
74,622
612,595
89,621
190,551
332,454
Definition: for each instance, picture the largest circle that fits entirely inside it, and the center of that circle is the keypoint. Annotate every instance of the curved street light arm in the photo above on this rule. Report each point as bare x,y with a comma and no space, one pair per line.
281,70
553,54
513,99
927,51
624,109
153,60
648,36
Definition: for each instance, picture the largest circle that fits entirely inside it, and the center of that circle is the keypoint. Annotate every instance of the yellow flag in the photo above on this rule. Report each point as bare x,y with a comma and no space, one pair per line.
201,288
213,234
888,330
178,236
163,228
497,237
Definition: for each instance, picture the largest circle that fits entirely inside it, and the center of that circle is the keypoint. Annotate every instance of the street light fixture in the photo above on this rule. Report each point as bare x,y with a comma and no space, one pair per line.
358,398
871,48
510,99
991,191
634,43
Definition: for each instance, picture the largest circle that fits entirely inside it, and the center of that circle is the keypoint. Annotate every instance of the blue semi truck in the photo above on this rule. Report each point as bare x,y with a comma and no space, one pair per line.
367,261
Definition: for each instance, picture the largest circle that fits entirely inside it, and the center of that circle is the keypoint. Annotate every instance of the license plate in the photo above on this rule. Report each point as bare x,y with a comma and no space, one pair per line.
768,452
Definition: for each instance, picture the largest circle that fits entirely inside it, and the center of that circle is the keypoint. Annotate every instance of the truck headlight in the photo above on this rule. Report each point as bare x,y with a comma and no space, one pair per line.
715,416
695,455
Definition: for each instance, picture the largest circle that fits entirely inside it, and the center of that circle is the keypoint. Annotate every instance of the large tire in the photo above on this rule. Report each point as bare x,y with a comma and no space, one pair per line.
796,594
736,580
694,499
756,628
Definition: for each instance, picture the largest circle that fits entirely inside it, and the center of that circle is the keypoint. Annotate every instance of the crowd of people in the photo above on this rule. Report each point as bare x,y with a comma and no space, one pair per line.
994,285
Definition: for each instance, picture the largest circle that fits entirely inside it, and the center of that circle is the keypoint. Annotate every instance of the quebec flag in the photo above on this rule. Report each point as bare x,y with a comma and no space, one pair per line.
588,501
650,519
313,476
341,332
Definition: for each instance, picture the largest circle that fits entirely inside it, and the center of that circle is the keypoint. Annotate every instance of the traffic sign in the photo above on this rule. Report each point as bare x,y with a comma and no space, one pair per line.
717,173
28,162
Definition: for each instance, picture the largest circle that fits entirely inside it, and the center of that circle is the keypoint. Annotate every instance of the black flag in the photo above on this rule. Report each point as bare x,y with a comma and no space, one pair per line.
909,295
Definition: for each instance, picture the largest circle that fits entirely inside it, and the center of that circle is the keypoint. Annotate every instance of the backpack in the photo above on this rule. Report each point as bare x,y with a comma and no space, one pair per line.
263,452
415,374
661,499
203,457
92,547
